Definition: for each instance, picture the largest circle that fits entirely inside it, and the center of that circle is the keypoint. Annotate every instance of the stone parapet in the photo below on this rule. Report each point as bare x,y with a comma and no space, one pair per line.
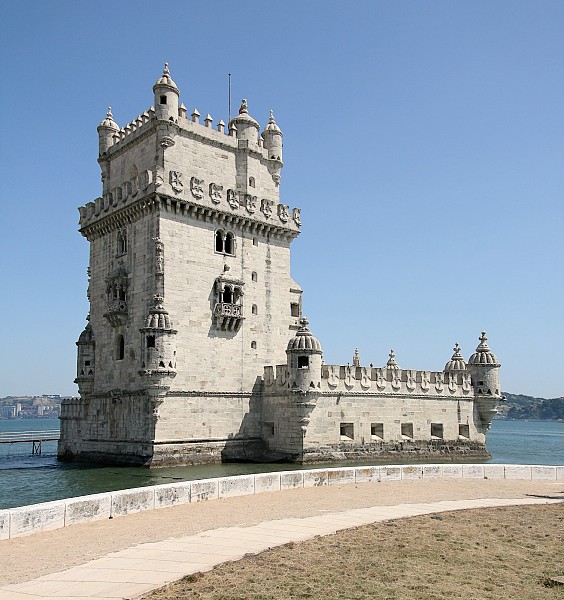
27,520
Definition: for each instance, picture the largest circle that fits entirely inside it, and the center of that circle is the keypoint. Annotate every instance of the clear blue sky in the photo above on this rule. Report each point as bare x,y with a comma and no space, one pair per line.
424,142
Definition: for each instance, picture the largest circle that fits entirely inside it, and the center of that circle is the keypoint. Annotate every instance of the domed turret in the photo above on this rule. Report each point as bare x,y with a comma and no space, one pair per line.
457,362
159,348
166,97
106,131
272,136
304,354
85,362
247,127
484,370
392,364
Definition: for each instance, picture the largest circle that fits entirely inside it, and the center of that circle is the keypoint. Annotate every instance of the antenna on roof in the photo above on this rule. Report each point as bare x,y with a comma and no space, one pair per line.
229,101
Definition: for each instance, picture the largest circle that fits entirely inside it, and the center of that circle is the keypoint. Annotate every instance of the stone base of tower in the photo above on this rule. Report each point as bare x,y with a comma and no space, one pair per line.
397,452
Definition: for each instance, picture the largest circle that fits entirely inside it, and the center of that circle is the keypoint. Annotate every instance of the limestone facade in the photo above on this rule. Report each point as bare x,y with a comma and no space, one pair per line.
196,349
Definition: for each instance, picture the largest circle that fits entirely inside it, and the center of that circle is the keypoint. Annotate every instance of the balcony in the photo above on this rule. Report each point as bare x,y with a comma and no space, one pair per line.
228,316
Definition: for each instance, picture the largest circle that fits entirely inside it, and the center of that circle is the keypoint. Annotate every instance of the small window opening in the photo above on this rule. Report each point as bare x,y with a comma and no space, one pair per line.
464,431
150,341
122,242
303,362
252,182
407,431
120,348
161,364
254,276
377,431
295,309
229,245
162,100
228,295
436,431
347,431
255,242
86,363
480,383
122,294
254,345
268,429
254,309
219,241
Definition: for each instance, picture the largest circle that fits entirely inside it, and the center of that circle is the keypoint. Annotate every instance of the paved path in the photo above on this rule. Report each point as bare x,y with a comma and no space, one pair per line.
139,569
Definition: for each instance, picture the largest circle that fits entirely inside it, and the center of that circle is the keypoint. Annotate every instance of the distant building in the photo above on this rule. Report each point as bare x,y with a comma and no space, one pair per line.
196,349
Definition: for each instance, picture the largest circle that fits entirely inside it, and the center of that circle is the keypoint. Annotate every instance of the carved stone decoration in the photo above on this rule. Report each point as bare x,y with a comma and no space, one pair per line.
276,179
281,375
411,375
216,193
159,177
266,207
232,199
439,383
269,376
283,212
145,179
333,376
452,385
297,216
380,379
466,382
250,203
176,182
364,378
425,381
396,379
196,187
117,194
167,142
135,185
349,376
159,256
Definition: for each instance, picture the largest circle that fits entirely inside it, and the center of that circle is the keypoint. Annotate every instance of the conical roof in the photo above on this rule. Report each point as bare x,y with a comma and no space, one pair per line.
158,317
304,340
483,354
457,362
244,116
272,125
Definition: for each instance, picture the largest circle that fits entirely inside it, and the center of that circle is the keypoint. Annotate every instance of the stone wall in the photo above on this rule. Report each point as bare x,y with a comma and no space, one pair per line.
27,520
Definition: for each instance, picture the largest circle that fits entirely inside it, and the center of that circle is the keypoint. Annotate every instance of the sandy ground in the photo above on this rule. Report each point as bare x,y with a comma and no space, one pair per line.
29,557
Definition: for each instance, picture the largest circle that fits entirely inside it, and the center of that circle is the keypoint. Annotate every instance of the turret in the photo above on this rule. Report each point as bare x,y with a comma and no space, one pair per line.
305,356
483,367
106,131
273,139
273,143
85,362
247,127
166,97
159,347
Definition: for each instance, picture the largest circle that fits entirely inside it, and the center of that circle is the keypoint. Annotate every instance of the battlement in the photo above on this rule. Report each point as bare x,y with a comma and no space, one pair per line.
358,379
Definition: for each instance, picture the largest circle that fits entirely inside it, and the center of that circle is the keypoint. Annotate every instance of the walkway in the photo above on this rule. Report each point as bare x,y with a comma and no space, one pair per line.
136,570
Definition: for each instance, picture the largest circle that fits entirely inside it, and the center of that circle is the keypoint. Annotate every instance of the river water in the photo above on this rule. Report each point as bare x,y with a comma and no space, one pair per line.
27,479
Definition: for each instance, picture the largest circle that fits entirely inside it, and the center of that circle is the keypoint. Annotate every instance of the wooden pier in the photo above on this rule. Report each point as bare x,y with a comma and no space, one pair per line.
35,438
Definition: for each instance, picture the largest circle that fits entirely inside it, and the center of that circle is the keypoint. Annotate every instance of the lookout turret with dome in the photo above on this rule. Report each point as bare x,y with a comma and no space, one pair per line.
304,359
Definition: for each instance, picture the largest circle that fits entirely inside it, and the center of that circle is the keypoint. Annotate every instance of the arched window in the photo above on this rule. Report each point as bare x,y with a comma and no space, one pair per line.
228,295
254,276
254,309
229,243
251,182
150,341
219,241
120,347
254,345
121,242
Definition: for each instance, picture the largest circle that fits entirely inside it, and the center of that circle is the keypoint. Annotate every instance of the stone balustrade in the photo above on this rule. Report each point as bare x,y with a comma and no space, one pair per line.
27,520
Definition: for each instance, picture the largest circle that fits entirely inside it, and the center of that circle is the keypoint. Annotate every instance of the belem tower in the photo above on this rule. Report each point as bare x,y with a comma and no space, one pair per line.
196,349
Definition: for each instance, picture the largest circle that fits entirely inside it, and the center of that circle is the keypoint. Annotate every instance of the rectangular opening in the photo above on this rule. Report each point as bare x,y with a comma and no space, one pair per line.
162,100
268,429
407,431
303,362
436,431
347,431
377,431
464,431
295,309
150,341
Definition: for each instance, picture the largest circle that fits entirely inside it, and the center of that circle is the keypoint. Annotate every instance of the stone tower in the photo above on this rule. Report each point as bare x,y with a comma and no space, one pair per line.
189,285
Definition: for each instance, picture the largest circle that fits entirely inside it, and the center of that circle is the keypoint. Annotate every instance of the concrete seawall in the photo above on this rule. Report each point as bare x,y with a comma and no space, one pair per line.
27,520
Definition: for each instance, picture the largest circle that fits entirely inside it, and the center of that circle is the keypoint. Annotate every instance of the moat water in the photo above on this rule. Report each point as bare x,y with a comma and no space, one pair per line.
27,479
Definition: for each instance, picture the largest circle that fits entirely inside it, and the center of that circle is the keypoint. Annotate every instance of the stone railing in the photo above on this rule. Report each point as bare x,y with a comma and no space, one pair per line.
26,520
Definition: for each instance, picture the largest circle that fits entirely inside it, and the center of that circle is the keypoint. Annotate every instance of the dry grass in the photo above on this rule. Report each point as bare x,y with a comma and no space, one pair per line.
497,554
